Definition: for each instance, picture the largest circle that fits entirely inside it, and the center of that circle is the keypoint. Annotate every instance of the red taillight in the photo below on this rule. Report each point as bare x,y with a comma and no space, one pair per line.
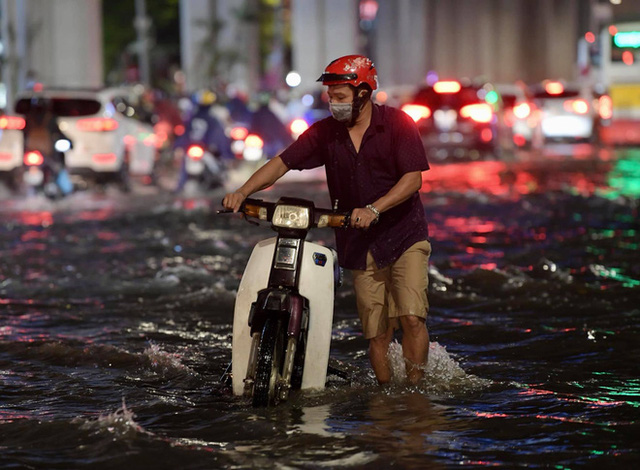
605,107
104,158
6,157
33,158
195,152
298,126
239,133
522,110
254,141
479,112
579,106
447,87
11,123
554,88
97,124
417,111
519,140
486,135
178,130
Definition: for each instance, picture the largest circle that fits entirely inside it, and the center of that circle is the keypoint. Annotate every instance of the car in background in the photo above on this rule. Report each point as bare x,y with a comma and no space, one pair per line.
568,112
111,139
459,119
521,116
11,145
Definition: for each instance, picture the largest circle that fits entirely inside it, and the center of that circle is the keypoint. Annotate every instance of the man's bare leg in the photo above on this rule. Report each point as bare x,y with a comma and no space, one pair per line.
378,349
415,346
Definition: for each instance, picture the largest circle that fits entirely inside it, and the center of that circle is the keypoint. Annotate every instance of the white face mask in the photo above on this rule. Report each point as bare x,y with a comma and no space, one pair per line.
342,112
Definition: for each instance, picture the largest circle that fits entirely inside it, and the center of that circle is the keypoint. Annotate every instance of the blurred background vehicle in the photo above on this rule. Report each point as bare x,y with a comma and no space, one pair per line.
45,146
203,149
11,150
458,119
112,141
520,115
568,112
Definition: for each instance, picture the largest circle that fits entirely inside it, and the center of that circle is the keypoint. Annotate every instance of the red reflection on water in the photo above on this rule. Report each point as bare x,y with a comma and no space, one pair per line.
33,235
100,214
107,236
43,218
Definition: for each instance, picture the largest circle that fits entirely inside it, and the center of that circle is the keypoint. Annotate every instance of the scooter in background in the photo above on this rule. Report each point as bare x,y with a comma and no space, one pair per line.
283,314
45,174
201,165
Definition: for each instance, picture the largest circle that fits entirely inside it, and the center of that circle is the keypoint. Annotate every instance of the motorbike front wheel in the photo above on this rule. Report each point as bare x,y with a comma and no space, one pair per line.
270,368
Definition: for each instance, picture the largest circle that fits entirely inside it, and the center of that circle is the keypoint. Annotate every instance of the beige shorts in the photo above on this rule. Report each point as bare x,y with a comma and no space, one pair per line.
400,289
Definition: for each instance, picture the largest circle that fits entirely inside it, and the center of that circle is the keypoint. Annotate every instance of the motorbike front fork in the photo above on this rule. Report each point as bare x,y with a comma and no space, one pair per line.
283,386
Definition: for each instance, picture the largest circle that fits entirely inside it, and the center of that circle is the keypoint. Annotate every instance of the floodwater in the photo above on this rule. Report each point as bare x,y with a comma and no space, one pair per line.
116,318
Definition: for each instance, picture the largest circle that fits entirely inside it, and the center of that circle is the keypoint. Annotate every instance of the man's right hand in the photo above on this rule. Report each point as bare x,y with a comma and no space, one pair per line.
233,201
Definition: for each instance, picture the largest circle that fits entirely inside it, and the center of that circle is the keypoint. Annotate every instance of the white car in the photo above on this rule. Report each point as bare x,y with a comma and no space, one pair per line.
11,140
111,139
566,112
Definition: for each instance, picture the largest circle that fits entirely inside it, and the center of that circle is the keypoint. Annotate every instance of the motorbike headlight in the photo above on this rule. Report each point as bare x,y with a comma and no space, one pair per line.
291,217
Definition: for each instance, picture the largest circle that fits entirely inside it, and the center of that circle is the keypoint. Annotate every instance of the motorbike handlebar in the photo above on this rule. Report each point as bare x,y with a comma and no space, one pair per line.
264,210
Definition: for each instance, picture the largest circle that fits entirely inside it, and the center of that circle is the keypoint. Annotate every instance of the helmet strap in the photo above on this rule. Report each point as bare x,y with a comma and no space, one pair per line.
360,97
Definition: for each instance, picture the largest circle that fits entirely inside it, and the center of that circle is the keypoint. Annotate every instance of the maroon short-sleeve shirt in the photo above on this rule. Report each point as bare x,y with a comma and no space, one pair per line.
391,147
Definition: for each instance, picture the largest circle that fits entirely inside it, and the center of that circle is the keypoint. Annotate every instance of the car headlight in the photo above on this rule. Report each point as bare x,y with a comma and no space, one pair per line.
291,217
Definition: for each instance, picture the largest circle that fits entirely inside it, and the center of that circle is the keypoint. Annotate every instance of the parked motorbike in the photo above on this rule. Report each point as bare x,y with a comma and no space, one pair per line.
283,313
45,174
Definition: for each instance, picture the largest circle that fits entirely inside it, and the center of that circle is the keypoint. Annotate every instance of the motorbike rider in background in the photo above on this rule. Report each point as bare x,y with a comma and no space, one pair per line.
41,132
203,127
266,124
373,157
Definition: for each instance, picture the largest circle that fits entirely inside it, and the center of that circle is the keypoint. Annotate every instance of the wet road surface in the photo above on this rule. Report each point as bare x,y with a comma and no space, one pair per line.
116,316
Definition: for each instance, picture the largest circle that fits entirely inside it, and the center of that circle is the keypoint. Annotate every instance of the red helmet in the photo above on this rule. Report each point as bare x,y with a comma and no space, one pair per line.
352,70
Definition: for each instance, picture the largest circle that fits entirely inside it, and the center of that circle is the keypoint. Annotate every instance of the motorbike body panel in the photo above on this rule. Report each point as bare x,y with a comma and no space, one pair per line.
316,284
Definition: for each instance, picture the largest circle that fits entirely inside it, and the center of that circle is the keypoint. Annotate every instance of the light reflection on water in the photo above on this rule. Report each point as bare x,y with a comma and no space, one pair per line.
115,327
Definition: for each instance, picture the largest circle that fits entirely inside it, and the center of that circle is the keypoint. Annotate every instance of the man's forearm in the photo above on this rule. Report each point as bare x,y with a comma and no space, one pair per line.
264,177
403,189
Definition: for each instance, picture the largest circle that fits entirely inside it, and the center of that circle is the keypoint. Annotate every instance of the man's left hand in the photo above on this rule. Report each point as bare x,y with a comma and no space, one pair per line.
362,218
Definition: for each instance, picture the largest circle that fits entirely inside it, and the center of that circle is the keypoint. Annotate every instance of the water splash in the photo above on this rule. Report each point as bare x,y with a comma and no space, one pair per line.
121,423
442,375
164,361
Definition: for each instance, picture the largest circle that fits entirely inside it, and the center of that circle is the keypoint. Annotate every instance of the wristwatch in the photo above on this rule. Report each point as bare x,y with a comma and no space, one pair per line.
373,209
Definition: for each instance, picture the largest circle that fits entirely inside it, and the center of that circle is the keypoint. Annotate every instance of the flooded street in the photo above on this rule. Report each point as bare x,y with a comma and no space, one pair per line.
116,319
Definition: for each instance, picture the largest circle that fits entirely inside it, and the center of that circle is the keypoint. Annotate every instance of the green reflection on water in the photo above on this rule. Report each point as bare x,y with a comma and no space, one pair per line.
624,178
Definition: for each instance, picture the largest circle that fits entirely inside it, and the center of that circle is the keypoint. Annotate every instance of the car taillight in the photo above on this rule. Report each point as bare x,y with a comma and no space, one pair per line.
97,124
33,158
553,88
179,129
486,135
522,110
239,133
104,158
479,112
195,152
579,106
254,141
417,111
605,107
298,126
447,87
11,123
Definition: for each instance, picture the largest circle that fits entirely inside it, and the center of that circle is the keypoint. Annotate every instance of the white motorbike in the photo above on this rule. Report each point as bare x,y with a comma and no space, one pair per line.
283,314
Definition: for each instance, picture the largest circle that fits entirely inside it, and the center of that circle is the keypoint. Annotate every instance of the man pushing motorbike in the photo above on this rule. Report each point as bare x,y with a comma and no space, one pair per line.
373,156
